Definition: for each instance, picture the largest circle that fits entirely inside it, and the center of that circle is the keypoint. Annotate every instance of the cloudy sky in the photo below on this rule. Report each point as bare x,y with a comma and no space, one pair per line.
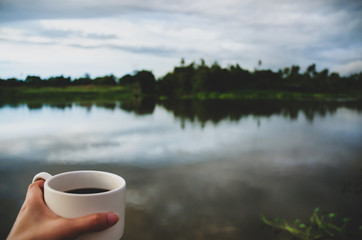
99,37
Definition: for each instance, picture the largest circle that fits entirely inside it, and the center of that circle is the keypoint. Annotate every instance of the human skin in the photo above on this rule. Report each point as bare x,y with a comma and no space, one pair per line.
36,221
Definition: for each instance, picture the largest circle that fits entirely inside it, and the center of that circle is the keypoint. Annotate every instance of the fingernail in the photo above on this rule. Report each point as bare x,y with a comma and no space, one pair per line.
112,218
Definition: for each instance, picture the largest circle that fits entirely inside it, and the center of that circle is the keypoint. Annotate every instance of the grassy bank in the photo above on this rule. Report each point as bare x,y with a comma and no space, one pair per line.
118,93
65,94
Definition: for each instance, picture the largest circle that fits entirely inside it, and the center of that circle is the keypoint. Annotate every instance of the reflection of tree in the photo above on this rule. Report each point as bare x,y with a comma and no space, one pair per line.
353,185
33,106
61,105
140,106
87,105
106,105
216,110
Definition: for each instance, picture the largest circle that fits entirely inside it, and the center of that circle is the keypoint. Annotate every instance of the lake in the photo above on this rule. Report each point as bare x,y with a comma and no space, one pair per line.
194,169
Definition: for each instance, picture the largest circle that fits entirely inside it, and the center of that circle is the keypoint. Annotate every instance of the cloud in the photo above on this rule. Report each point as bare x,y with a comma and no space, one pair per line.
67,33
349,68
278,32
22,36
142,37
261,10
14,10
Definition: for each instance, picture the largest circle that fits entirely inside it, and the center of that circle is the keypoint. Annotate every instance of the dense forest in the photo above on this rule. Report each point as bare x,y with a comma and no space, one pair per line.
195,78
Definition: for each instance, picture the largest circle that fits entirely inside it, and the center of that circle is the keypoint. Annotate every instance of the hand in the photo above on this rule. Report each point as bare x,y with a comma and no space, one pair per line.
36,221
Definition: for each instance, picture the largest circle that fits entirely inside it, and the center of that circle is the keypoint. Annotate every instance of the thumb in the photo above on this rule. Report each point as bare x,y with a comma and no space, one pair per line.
93,223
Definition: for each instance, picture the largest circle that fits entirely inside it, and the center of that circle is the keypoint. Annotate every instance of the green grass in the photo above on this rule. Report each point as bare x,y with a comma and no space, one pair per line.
64,94
115,93
320,226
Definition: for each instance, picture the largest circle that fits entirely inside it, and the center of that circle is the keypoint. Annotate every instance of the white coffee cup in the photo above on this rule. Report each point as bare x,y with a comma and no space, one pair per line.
72,205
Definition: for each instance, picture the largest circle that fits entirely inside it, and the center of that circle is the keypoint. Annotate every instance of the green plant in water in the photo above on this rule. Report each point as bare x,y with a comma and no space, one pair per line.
320,226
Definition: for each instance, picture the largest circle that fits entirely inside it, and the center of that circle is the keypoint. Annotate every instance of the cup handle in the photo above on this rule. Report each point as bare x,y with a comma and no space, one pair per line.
40,176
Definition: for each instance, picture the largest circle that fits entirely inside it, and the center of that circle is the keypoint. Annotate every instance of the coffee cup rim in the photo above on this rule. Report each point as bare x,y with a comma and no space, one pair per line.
56,176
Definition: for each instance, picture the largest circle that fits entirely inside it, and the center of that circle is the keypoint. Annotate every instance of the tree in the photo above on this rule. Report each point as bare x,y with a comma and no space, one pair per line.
311,71
264,79
86,80
35,81
145,81
321,80
125,80
241,78
166,85
219,79
294,73
200,79
11,82
259,63
105,80
59,81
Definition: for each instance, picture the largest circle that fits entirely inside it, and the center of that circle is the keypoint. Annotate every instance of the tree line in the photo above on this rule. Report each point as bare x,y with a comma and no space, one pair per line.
193,78
199,77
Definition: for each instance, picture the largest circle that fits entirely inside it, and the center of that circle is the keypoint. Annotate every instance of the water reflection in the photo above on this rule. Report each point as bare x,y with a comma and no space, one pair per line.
224,200
210,110
140,106
216,110
208,179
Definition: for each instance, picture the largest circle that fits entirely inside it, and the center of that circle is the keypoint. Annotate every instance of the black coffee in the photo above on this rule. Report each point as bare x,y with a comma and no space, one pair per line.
87,190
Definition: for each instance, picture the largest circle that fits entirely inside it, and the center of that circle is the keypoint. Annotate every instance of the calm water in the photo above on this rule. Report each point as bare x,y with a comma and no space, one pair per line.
194,170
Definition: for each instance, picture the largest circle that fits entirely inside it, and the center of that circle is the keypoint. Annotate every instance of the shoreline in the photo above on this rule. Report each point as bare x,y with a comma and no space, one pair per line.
119,93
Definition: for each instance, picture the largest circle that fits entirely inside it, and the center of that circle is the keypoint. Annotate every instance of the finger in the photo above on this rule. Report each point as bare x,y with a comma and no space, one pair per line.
40,183
35,193
92,223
